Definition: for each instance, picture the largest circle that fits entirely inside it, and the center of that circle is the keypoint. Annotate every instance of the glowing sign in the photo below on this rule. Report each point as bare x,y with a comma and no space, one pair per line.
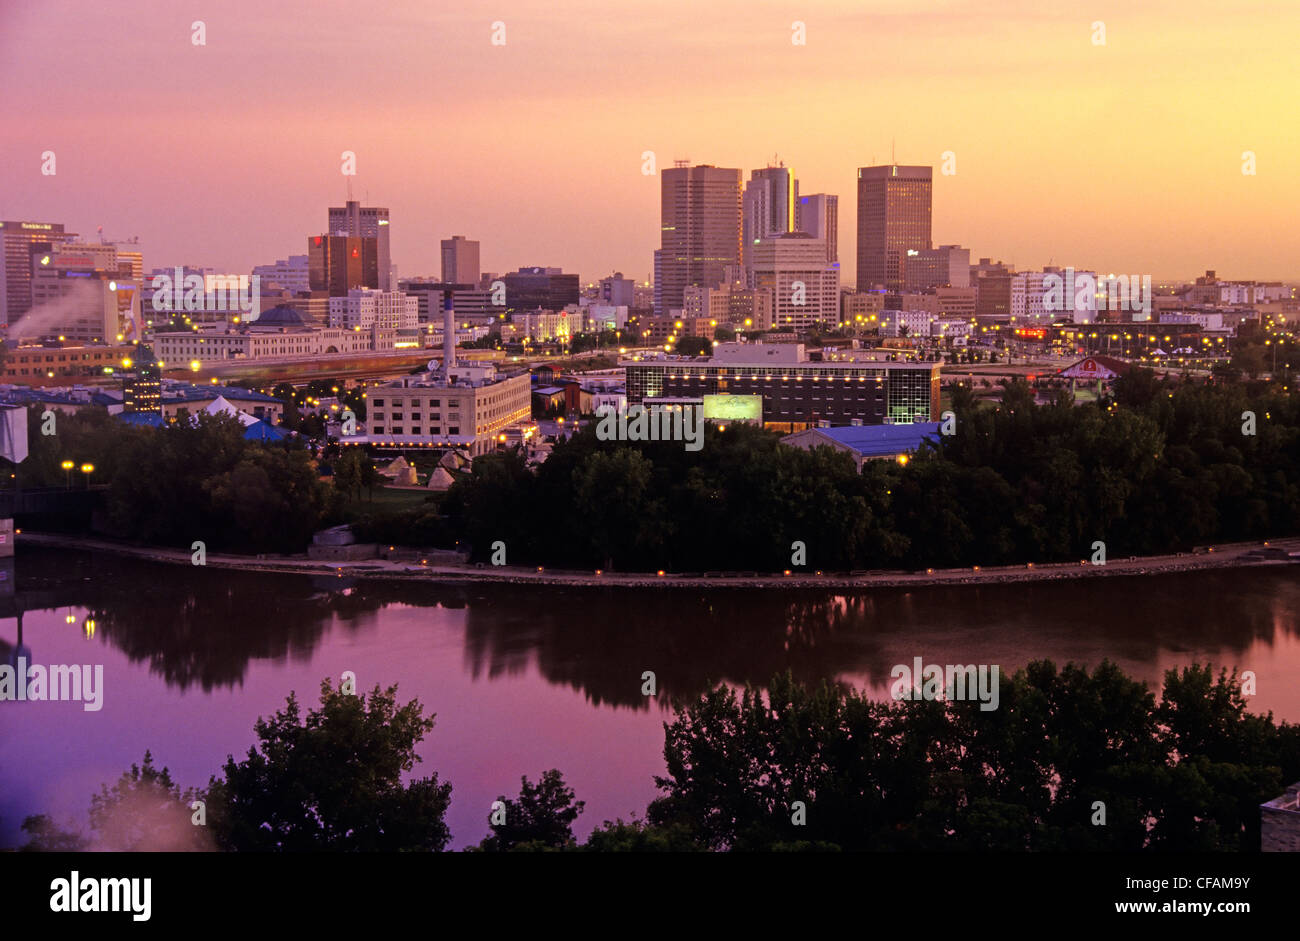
733,408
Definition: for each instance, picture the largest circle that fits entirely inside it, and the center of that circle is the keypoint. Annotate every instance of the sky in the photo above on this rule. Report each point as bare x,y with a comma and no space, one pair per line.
1125,157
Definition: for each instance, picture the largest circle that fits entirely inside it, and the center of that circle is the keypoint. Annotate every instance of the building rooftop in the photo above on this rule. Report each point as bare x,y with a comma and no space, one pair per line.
881,440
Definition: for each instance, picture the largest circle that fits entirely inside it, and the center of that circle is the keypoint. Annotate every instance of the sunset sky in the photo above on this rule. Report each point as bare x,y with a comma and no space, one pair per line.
1125,157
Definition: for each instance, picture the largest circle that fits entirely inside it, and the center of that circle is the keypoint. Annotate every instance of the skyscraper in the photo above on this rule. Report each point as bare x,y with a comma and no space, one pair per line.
768,207
16,241
339,263
460,263
700,213
819,216
804,286
893,218
368,222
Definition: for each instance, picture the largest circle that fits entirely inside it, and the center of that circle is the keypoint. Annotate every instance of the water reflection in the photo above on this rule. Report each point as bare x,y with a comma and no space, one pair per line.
198,627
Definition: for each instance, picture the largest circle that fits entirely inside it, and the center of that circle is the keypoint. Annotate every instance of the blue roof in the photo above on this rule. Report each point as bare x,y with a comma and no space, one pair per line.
875,440
549,390
261,431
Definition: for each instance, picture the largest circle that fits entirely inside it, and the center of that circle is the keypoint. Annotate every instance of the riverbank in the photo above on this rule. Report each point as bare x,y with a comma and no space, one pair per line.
1234,555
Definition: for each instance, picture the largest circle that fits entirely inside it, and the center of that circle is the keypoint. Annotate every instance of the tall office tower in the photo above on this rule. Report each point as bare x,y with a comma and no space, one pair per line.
16,265
339,263
893,218
460,260
367,222
805,287
700,219
768,207
819,216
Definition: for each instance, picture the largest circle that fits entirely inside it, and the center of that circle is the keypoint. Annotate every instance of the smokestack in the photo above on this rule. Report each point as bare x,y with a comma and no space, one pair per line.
448,335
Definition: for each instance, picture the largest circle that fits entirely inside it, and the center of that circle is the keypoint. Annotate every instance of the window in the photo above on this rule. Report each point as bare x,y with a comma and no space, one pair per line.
377,403
379,429
396,430
453,429
415,430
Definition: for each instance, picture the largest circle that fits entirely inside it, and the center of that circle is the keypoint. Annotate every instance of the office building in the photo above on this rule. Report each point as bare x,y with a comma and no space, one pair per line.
767,207
142,382
287,274
366,222
338,263
928,268
364,308
700,219
460,263
16,241
795,393
819,215
618,291
79,294
894,204
805,287
548,288
469,409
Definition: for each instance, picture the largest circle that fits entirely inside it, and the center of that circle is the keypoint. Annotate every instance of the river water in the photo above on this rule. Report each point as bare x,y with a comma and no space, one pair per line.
523,679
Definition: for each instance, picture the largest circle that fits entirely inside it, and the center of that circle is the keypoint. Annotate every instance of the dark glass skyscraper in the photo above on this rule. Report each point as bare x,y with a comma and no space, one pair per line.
893,218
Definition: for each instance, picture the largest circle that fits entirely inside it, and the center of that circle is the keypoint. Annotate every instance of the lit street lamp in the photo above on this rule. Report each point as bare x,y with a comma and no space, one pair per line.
88,469
67,467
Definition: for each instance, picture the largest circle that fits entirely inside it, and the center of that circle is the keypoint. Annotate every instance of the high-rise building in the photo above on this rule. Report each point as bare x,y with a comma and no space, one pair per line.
142,383
894,205
700,212
767,207
367,222
460,264
805,287
819,216
15,263
339,263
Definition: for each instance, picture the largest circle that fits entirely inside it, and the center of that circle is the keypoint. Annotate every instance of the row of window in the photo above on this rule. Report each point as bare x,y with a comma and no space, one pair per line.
415,430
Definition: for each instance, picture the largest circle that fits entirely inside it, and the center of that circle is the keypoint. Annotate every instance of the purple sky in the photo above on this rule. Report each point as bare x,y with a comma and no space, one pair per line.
1124,157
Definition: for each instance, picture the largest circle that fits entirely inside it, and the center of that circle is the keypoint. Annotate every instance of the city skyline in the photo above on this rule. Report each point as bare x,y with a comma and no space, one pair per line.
500,164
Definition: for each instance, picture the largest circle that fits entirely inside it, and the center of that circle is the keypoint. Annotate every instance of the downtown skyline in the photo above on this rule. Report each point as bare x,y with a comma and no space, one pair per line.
1119,157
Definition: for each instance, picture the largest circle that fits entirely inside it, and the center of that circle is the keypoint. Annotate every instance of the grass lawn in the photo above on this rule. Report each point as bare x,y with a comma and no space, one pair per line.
387,500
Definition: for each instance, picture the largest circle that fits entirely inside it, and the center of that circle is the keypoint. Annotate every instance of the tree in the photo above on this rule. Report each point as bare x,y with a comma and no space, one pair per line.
693,346
46,836
541,819
332,780
146,812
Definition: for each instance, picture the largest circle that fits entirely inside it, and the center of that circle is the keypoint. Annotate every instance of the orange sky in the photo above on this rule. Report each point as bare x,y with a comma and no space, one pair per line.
1125,157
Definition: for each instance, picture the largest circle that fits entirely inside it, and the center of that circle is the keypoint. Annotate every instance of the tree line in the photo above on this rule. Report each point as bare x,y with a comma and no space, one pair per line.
1160,467
1071,760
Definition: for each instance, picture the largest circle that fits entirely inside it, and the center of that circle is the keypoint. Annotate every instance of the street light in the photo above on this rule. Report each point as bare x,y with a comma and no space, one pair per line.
88,469
67,467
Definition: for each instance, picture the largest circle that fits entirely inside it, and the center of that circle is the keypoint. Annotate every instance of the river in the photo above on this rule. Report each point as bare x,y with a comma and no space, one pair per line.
523,679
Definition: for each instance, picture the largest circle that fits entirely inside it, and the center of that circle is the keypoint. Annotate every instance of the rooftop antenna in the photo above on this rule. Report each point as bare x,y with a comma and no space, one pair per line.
893,161
349,189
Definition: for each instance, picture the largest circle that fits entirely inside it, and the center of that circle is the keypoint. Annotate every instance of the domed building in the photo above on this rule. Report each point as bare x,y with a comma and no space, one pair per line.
279,317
